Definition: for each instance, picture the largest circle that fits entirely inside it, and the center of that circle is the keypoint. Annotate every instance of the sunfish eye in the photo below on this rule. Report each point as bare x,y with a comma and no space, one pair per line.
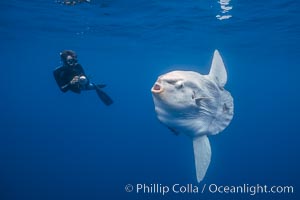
171,81
179,84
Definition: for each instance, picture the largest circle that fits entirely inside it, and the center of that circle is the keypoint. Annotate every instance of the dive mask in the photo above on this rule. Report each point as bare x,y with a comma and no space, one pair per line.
71,61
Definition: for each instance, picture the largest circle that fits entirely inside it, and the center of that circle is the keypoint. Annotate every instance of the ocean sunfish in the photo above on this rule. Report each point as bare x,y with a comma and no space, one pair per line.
196,105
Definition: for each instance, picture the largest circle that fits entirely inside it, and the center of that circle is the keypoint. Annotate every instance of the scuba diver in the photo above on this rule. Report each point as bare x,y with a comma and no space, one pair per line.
71,77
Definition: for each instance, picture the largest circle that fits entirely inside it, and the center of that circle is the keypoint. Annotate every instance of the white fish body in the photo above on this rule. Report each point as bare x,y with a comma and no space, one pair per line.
196,105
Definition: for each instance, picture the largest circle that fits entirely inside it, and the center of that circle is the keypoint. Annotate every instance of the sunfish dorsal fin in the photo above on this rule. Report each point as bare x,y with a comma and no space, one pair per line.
217,70
202,154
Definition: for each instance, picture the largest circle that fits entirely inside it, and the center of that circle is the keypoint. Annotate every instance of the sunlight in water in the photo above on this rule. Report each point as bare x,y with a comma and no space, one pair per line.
225,8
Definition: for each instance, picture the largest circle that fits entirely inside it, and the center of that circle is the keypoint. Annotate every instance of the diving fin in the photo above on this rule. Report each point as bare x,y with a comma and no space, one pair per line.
103,96
101,85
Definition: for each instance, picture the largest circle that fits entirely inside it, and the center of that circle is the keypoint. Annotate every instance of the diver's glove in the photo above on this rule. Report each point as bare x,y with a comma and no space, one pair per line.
74,80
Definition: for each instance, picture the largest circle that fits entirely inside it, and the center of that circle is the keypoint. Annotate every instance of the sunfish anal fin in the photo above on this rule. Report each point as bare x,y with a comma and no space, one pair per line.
202,154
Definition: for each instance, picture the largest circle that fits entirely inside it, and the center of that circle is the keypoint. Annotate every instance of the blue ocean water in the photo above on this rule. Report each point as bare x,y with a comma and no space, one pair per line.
68,146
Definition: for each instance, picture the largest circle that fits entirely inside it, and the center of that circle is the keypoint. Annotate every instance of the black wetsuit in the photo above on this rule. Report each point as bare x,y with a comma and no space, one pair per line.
64,74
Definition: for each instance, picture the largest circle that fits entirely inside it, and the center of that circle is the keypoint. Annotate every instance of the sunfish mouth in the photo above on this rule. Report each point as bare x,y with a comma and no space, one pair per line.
157,88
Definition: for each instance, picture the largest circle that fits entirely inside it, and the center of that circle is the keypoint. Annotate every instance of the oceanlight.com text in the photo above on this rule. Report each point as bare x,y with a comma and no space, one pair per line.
250,189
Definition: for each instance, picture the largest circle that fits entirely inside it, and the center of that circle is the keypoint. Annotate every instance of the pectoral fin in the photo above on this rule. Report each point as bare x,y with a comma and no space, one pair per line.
200,101
173,130
202,154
